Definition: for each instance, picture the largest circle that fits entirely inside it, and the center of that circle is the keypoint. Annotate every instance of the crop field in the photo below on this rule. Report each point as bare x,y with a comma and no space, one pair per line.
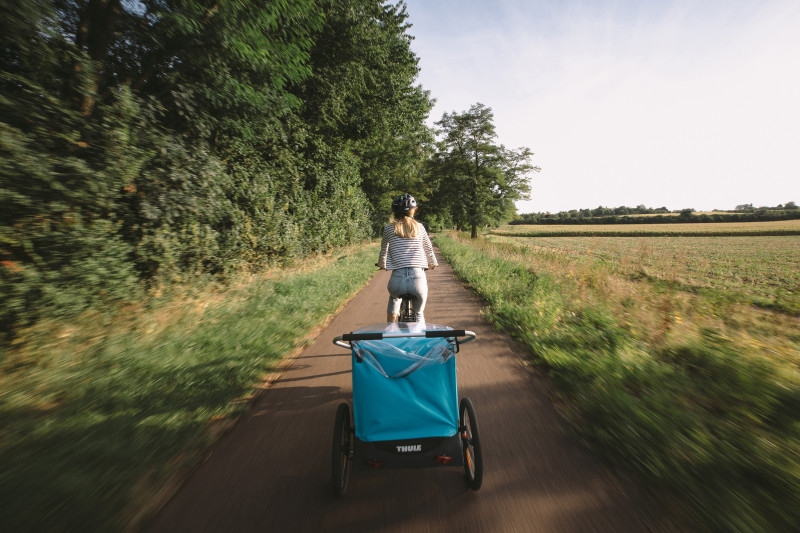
784,227
758,269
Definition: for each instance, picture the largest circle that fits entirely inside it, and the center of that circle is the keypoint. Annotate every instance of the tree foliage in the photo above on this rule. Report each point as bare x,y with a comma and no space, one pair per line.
476,180
364,97
145,142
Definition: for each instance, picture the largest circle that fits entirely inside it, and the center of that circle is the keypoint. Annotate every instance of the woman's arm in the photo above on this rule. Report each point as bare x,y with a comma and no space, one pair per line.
428,248
384,250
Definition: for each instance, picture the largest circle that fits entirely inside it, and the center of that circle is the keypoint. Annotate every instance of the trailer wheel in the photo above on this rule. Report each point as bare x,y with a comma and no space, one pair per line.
342,453
471,443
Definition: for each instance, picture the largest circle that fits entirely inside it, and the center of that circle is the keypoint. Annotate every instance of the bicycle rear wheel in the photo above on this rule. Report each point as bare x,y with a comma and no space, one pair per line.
407,313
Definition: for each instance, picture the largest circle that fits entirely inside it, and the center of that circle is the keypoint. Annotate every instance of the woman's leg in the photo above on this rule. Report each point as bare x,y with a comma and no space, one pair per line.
395,287
420,288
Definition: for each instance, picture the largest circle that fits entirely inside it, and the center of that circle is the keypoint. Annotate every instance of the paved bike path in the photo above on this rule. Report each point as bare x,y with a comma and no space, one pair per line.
272,471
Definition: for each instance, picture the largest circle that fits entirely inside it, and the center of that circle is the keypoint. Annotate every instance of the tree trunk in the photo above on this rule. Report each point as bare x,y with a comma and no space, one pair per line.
474,234
93,35
169,46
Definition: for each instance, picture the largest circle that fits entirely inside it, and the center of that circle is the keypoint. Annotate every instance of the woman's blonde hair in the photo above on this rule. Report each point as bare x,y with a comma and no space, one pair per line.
405,226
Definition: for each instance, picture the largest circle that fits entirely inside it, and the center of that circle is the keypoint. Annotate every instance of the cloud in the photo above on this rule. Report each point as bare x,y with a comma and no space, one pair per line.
628,103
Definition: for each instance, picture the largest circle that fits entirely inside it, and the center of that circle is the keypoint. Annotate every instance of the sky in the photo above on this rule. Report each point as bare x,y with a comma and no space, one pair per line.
665,103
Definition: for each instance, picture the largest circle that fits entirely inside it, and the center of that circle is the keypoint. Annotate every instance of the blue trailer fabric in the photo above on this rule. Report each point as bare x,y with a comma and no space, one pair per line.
404,388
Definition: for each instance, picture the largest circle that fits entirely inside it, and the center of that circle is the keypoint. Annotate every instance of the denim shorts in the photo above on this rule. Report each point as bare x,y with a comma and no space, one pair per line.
408,281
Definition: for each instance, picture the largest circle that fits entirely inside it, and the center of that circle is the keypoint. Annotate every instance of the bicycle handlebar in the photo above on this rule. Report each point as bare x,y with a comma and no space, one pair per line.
379,268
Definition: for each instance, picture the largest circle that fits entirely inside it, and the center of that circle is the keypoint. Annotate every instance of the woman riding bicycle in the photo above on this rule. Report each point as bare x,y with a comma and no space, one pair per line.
407,251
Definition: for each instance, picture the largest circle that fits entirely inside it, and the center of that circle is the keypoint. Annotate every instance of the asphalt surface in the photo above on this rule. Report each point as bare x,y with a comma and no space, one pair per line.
272,471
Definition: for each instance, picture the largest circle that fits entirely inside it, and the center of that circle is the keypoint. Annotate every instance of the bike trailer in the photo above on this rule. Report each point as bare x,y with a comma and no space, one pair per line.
405,402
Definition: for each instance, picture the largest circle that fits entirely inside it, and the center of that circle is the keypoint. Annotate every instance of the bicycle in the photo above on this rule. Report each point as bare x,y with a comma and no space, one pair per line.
407,313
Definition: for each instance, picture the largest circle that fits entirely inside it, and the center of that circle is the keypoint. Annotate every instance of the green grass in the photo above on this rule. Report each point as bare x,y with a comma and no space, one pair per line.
95,417
700,398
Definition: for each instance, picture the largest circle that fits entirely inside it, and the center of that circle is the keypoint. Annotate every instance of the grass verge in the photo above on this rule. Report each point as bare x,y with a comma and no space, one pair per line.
92,411
702,408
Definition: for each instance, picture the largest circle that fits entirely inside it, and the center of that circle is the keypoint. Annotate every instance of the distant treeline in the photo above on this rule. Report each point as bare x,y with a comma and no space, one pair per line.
627,215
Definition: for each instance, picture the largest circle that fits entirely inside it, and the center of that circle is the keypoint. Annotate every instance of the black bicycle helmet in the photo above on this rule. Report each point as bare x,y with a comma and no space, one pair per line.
402,204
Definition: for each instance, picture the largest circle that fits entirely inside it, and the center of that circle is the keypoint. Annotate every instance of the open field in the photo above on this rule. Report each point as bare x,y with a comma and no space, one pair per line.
762,270
783,227
694,389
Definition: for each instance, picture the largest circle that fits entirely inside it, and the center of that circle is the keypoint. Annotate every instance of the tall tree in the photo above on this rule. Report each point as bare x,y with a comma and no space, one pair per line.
363,98
477,180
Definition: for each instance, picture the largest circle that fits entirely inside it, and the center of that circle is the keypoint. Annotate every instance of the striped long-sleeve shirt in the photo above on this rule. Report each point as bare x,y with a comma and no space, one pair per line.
397,252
